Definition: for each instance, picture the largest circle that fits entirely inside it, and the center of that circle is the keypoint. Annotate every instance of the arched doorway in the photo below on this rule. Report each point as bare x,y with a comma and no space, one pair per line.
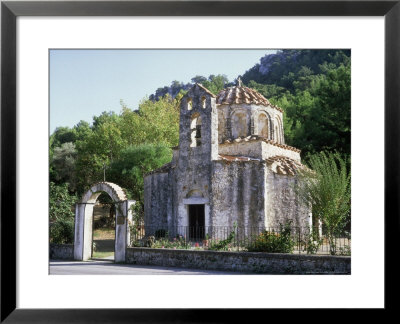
84,220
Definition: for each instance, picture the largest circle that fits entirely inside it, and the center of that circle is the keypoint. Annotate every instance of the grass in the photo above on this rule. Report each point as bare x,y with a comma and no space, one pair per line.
103,237
104,234
102,255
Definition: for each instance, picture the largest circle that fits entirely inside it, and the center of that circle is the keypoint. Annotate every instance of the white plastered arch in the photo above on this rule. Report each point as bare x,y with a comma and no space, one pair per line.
84,220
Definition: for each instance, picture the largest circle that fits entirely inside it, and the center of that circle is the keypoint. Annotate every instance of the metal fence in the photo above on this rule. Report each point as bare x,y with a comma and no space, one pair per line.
280,239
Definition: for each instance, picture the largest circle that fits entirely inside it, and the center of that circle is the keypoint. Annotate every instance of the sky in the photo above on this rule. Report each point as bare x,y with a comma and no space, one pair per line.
84,83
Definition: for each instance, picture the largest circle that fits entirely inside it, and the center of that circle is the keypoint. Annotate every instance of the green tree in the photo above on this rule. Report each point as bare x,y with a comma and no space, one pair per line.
317,113
109,118
154,122
61,204
330,119
62,135
82,130
100,148
199,79
215,83
134,162
267,90
63,165
327,188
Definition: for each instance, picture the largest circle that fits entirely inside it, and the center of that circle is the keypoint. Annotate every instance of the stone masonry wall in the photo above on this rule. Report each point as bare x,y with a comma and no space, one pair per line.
282,203
193,169
238,193
157,198
249,149
256,149
61,251
248,262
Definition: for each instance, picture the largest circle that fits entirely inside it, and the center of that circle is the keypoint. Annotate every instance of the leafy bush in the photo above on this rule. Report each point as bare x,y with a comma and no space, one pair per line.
61,204
137,213
178,242
62,231
312,243
273,242
223,245
327,188
346,250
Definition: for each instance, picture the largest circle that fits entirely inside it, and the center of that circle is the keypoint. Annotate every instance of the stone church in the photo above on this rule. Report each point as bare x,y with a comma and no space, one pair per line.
231,166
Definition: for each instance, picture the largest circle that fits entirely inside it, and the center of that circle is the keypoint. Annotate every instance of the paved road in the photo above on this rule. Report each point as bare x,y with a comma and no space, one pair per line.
110,268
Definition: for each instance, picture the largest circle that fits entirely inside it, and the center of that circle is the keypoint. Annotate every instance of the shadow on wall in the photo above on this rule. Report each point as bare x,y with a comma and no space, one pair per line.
104,245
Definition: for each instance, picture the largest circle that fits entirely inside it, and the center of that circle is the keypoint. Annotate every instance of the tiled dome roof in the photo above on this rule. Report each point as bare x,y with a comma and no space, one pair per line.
284,165
242,95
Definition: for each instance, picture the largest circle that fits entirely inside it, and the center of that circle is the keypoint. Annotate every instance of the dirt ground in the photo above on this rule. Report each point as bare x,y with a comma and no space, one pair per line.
103,237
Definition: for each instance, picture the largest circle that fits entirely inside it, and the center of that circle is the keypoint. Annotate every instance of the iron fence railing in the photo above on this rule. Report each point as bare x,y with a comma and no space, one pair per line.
280,239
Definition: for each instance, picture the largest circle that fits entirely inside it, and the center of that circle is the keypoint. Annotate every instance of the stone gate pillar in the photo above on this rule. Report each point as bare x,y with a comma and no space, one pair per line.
84,221
123,218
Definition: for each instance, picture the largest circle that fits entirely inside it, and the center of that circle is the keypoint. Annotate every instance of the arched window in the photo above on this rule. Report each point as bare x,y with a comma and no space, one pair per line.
239,125
263,125
195,130
195,193
203,102
189,104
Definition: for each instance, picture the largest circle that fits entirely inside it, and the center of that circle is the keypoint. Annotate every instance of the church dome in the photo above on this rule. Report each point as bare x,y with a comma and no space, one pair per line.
241,95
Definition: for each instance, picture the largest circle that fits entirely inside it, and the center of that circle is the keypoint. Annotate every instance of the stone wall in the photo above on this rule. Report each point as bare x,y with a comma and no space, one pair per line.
192,173
61,252
282,204
257,149
238,193
157,199
250,149
248,262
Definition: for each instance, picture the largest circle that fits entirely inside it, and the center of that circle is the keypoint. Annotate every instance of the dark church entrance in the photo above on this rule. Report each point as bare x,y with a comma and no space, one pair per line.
196,222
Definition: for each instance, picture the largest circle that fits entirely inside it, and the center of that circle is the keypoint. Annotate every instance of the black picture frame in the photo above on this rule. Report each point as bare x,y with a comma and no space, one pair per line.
10,10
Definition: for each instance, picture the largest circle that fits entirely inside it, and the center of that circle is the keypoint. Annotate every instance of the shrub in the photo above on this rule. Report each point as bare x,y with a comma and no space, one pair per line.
62,231
61,204
346,250
272,242
312,243
223,245
327,188
178,242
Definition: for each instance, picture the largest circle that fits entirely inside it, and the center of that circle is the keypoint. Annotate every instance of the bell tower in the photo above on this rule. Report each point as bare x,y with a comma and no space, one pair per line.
198,127
198,148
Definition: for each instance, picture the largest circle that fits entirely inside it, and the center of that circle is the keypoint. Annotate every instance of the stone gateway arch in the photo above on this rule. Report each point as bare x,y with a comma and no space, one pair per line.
84,220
